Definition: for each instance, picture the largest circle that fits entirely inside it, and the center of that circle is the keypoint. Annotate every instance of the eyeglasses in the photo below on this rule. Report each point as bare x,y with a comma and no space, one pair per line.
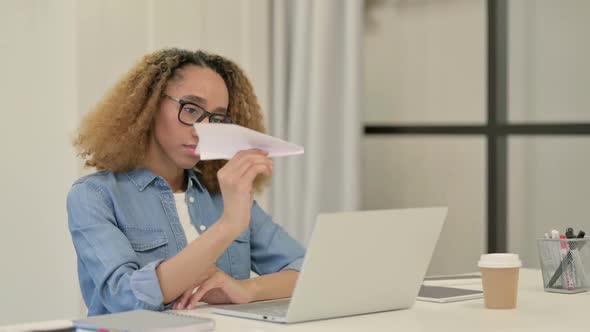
190,113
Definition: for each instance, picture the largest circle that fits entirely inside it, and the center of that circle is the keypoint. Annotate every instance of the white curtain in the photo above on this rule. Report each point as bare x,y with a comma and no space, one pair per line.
315,102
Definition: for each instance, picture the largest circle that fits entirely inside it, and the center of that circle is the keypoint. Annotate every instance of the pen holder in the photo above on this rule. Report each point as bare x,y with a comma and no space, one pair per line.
565,264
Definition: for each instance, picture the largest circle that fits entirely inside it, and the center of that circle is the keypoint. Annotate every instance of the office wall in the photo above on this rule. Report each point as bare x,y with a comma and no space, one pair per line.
425,63
548,61
39,98
548,81
58,58
114,34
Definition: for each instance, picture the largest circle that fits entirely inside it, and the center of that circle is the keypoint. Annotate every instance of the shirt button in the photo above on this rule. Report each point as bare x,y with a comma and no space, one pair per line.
191,199
202,227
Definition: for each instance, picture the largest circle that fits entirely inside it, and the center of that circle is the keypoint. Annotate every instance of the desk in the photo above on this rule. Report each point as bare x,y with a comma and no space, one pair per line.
537,310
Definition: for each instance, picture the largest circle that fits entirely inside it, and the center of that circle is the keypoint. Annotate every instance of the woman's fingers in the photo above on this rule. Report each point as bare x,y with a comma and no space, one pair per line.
232,173
254,160
183,300
203,289
235,182
239,158
256,169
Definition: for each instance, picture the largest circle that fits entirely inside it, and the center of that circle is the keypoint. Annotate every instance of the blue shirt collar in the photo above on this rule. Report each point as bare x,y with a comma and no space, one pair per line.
142,177
192,177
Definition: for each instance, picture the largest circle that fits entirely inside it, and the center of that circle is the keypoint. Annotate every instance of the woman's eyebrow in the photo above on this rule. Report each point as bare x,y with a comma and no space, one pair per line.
194,98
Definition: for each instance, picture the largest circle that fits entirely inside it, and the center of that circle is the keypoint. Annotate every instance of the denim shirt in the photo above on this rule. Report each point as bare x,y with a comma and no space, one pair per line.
124,225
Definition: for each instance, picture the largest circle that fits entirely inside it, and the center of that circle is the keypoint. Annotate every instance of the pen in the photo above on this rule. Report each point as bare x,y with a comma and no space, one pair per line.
572,254
566,256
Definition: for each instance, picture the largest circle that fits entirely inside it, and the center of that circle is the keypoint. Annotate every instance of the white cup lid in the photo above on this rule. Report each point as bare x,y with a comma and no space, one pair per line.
499,261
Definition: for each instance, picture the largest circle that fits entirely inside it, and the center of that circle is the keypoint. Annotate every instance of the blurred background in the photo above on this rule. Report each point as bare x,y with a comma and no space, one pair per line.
478,105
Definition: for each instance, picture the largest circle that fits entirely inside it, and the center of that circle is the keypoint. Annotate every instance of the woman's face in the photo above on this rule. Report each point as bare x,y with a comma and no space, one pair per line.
176,141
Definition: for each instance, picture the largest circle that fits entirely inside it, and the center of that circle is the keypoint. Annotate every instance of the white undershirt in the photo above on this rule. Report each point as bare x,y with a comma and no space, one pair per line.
185,219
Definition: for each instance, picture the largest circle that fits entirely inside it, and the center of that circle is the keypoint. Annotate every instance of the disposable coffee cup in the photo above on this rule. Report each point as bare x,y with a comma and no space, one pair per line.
499,276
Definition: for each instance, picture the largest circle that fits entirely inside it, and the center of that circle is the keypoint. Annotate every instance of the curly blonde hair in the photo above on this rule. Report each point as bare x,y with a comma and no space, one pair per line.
127,112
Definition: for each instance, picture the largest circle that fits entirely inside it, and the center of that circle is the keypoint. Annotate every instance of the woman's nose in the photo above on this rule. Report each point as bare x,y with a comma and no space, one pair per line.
206,120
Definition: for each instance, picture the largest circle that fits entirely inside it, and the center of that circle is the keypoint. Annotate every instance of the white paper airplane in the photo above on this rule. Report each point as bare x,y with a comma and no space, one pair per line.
223,141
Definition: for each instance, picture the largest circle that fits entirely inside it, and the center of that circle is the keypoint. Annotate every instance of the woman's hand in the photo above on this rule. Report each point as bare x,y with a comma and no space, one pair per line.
220,288
236,180
183,299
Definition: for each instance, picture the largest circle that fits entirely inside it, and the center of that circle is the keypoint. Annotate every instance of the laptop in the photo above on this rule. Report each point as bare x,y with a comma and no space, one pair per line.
356,263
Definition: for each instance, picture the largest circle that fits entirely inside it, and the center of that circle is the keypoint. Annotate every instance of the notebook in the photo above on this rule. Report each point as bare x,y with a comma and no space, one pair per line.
145,320
441,294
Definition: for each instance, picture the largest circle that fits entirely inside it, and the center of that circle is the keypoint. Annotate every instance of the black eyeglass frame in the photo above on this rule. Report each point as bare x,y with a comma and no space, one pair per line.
213,117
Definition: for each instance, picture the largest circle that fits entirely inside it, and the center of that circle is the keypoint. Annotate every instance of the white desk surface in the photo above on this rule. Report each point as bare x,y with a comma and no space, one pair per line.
537,310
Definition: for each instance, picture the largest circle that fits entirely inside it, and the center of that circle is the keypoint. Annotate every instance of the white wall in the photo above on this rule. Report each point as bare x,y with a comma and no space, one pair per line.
57,59
549,80
39,96
425,63
114,34
548,60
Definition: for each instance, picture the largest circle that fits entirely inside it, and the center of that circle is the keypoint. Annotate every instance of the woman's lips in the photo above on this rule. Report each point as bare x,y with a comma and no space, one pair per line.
191,148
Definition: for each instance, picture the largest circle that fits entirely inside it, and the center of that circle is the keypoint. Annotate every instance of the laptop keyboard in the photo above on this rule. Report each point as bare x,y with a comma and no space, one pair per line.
272,308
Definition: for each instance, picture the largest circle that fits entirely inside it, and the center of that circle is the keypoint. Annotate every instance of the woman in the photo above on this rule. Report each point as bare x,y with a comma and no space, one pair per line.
150,227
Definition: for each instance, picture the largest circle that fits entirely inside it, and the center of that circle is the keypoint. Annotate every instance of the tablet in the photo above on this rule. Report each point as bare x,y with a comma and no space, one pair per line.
442,294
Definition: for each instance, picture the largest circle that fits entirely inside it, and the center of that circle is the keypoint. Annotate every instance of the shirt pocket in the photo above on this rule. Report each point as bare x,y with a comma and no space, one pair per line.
149,244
